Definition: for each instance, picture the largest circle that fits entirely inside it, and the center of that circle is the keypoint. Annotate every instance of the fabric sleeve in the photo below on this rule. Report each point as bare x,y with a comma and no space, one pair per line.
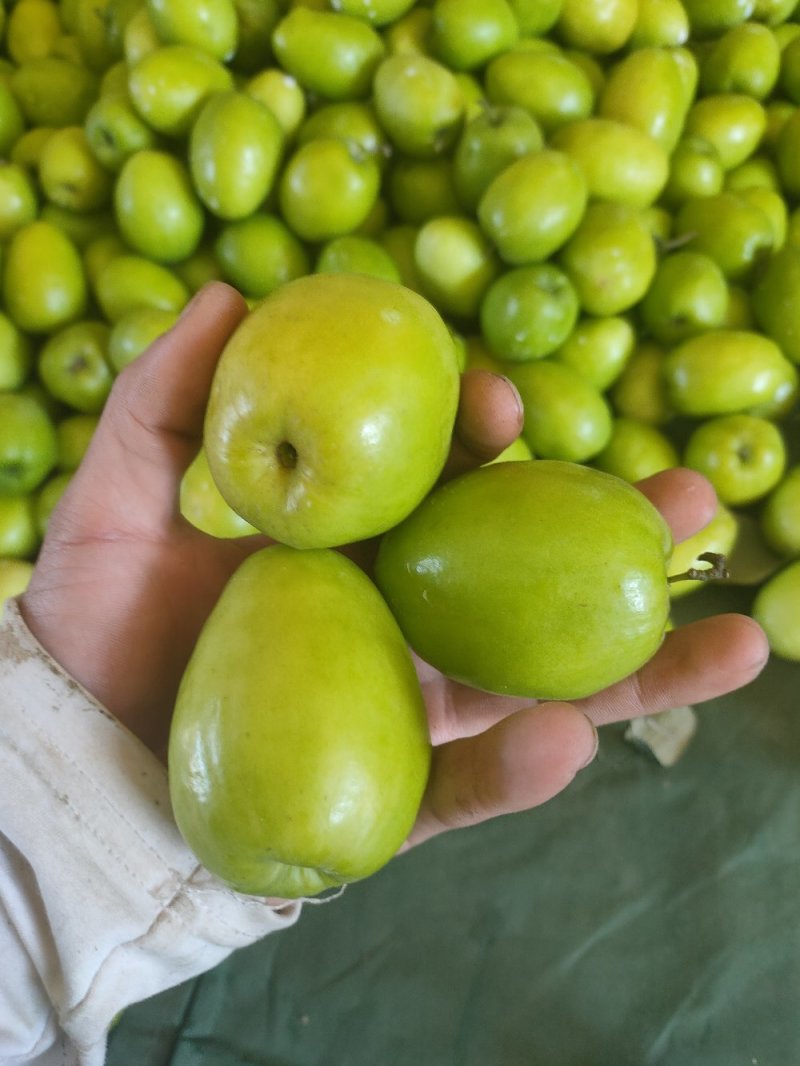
101,902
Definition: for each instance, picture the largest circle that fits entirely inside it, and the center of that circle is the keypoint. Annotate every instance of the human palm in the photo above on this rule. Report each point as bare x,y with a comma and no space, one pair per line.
124,584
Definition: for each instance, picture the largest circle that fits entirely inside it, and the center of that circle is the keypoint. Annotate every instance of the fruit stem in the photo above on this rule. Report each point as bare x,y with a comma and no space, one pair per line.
717,571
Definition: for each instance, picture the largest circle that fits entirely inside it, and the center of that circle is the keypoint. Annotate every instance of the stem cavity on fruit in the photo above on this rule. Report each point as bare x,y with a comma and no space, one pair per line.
287,455
716,571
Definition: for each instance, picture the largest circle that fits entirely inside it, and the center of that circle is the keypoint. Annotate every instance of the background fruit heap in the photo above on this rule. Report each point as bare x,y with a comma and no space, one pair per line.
600,196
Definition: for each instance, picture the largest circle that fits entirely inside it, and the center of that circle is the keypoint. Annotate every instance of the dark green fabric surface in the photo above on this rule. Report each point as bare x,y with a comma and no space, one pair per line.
646,917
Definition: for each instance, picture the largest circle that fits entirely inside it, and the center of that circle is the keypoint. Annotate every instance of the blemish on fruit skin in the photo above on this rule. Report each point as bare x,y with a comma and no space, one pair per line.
391,315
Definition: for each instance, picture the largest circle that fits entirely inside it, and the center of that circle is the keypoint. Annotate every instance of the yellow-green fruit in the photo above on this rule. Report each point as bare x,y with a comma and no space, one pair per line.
566,418
776,608
32,29
130,281
727,371
28,446
620,162
636,450
646,90
235,147
156,207
169,85
284,453
70,174
510,578
597,26
207,24
203,505
330,54
297,766
19,537
44,285
53,91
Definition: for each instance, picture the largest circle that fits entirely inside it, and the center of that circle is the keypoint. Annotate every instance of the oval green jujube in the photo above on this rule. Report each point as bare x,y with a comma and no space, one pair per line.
298,753
723,371
157,208
511,577
235,146
44,283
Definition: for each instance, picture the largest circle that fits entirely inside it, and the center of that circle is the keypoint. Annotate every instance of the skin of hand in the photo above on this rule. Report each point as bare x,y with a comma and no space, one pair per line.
124,583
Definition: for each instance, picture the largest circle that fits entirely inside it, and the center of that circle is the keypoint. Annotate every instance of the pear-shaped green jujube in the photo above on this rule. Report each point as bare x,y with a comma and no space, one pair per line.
299,749
543,578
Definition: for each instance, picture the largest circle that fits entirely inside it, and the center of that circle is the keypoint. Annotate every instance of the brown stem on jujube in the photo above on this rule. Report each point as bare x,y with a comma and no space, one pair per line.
717,571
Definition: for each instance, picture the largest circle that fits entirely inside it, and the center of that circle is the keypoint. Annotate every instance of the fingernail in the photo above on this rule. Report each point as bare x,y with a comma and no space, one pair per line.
515,391
595,746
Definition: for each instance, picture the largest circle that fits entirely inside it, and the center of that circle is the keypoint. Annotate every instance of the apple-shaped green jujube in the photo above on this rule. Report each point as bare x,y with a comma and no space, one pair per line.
332,409
542,579
299,747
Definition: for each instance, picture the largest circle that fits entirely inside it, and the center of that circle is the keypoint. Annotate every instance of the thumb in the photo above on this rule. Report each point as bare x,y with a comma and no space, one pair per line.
152,424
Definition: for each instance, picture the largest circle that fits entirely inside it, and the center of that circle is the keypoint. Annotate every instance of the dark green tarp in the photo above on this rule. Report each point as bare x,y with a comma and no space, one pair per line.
646,917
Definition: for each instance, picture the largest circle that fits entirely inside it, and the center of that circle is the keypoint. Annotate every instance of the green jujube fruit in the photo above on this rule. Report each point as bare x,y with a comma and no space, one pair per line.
539,579
235,147
44,283
330,54
299,752
724,371
156,207
168,86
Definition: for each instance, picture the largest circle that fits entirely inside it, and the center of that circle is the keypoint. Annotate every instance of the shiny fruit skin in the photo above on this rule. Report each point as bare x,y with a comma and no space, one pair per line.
202,504
776,608
419,104
621,163
327,188
565,415
533,206
742,455
295,766
610,258
528,312
645,89
722,371
688,294
330,54
540,579
735,233
44,284
156,207
210,25
488,143
285,449
235,147
130,281
73,366
259,253
548,84
169,86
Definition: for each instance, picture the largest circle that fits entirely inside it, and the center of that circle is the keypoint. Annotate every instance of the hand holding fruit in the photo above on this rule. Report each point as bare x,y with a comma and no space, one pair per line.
120,557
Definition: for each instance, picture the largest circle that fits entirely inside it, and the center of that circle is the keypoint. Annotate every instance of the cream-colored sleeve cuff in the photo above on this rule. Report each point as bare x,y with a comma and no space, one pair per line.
102,902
